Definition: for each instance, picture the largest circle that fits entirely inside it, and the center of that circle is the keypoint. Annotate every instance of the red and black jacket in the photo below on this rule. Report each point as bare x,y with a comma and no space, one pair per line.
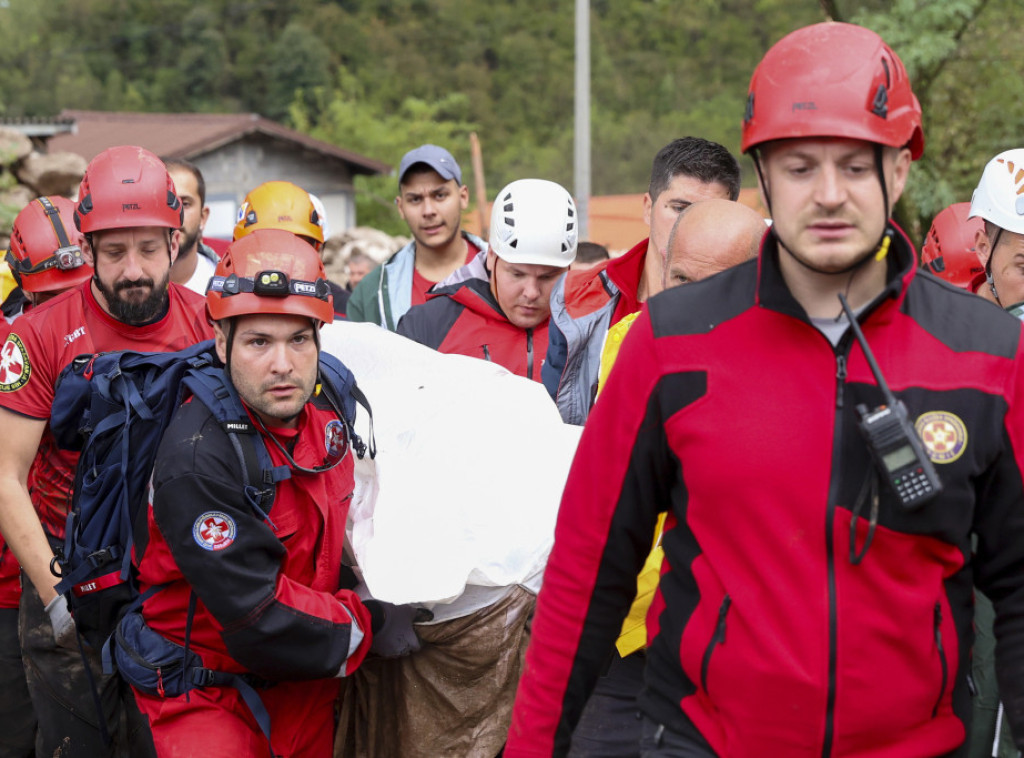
464,318
269,591
788,620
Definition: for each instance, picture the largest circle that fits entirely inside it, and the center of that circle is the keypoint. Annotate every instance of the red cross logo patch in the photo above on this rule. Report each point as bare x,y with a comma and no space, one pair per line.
14,366
943,434
214,531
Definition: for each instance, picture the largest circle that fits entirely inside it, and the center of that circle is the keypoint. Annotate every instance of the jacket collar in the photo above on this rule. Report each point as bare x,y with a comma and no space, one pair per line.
773,293
626,271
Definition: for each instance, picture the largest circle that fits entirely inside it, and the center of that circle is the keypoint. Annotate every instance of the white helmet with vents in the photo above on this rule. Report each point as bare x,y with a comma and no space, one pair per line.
533,221
999,197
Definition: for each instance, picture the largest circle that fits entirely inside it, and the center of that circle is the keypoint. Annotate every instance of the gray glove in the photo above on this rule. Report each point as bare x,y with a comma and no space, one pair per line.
392,628
62,622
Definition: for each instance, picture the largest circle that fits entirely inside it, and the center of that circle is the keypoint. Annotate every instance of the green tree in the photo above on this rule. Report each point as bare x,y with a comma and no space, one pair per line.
962,64
352,121
296,66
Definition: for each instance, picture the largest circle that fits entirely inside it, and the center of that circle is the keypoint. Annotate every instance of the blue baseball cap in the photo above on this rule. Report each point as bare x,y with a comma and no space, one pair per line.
436,157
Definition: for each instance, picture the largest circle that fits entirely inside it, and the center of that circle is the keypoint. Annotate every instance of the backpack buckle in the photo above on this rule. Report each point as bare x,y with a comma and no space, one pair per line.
203,677
101,557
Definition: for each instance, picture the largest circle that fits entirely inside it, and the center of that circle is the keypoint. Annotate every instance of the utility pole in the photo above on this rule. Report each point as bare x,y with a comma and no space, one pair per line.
582,135
480,184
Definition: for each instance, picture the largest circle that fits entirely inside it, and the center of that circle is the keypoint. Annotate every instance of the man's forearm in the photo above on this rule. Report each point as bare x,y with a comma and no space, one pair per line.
24,535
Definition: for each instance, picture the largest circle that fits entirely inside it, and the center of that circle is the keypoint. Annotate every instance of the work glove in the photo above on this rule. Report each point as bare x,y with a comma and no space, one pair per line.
392,628
62,622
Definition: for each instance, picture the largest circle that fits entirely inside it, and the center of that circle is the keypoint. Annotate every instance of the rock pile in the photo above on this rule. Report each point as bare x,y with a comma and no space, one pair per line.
26,174
363,239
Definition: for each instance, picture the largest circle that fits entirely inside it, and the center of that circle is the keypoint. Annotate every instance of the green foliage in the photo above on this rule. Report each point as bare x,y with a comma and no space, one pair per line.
382,76
351,120
964,67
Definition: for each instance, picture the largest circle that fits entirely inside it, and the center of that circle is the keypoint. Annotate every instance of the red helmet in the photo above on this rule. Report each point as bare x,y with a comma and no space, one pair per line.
46,249
270,271
948,250
127,187
832,80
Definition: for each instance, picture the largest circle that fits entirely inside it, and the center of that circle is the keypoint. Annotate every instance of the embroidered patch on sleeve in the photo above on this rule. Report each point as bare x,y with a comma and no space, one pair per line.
335,439
214,531
15,368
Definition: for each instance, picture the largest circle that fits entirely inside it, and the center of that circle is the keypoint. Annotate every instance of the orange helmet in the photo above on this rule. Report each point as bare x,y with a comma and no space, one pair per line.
948,250
46,248
280,205
270,271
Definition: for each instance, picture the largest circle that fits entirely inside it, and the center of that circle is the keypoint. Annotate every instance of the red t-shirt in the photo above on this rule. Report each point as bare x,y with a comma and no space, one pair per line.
421,285
46,339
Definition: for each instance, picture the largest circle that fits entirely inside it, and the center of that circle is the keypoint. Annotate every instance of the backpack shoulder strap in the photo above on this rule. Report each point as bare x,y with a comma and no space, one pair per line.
337,381
210,386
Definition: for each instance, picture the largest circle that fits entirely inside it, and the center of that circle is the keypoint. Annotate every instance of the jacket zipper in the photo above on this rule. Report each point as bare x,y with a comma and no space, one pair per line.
529,353
840,380
833,494
717,639
942,658
487,353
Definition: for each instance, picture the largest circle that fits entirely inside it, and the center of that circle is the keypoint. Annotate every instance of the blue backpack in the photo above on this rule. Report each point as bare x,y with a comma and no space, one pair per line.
114,408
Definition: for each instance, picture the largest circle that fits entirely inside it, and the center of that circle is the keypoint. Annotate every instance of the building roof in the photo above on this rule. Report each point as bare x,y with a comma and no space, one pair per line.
32,126
616,221
189,135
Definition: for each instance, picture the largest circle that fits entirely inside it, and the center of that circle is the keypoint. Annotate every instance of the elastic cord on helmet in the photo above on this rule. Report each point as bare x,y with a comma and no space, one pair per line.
58,226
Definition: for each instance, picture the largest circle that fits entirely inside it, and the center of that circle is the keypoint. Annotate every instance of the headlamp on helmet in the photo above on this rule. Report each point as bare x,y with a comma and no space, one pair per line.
270,271
46,254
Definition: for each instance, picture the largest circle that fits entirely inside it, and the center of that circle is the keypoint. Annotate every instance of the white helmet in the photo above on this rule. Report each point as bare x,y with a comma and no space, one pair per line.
999,197
533,221
322,213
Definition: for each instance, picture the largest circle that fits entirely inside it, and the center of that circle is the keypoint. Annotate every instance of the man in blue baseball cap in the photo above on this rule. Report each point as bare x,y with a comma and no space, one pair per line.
431,198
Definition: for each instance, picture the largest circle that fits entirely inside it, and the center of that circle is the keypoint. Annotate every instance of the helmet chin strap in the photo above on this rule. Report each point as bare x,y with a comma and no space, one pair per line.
881,248
988,264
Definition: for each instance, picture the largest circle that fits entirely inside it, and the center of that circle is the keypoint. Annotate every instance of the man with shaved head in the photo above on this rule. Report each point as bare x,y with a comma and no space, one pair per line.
708,237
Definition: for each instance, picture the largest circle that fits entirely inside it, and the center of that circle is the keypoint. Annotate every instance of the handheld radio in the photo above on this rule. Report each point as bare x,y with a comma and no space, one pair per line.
892,439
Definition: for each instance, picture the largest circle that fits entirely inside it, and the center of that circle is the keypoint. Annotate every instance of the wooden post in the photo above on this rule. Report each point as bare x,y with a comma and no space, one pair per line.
480,183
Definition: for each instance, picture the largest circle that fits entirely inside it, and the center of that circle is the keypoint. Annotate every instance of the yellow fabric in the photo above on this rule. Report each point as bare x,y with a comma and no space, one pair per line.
7,282
634,629
612,343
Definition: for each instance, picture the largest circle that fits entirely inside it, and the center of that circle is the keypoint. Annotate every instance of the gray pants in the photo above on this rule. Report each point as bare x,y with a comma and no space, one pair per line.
64,699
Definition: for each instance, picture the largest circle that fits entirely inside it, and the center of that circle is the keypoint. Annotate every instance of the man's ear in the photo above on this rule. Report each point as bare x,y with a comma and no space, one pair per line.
174,244
220,341
464,197
87,250
648,205
900,172
982,245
